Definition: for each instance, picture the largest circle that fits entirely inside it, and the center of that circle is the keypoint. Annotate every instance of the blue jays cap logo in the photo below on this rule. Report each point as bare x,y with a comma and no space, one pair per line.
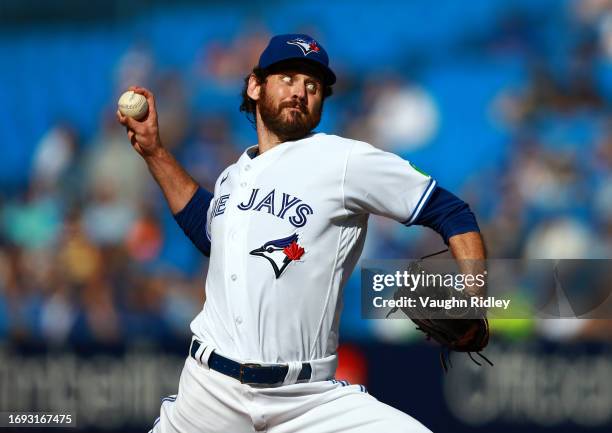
280,252
307,47
282,47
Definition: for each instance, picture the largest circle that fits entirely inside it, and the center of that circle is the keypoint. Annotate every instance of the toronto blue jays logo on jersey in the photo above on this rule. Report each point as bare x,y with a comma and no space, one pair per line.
307,47
280,252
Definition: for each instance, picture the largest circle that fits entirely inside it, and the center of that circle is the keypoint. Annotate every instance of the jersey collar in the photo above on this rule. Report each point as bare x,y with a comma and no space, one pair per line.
251,152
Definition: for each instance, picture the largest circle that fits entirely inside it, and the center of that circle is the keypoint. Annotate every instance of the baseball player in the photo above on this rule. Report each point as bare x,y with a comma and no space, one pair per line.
284,228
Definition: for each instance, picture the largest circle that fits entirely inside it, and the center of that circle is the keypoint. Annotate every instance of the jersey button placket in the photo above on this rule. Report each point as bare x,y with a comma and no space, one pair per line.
244,176
232,248
238,249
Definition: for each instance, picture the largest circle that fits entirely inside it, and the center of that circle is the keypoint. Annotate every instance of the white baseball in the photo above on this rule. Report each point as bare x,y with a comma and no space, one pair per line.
133,105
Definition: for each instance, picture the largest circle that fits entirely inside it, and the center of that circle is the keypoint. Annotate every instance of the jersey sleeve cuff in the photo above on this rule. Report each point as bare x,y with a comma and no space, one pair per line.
192,219
421,203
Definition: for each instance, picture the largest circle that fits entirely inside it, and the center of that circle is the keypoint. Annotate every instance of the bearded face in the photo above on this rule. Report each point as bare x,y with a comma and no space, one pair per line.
290,111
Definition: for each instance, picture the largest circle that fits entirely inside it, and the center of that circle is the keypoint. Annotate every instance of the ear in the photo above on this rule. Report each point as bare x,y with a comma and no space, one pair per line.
253,88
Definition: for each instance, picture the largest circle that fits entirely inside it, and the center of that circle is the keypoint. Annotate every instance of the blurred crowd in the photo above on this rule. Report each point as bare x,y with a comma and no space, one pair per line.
90,254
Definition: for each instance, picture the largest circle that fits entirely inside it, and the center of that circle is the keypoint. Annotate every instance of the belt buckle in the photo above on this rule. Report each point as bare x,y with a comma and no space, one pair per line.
241,371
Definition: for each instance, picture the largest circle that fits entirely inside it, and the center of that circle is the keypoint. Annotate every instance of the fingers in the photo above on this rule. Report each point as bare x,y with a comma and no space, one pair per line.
127,121
120,118
139,137
147,94
131,127
135,139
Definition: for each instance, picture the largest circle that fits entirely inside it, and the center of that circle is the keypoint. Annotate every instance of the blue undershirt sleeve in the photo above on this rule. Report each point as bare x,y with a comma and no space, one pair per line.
192,219
447,215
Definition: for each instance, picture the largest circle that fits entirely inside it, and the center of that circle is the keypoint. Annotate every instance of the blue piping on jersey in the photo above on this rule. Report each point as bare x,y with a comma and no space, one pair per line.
417,210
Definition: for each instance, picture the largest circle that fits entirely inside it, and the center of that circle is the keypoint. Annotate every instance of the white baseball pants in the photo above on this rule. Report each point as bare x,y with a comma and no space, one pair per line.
211,402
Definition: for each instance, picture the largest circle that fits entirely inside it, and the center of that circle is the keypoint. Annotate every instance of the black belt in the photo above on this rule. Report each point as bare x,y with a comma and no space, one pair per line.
252,374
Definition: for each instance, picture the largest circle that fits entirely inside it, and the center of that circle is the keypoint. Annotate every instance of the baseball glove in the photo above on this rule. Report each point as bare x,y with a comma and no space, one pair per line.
461,329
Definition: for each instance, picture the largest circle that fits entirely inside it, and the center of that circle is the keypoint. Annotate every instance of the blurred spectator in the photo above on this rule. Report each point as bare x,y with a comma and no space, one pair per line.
173,114
403,118
209,150
54,155
136,67
113,166
107,220
58,316
32,220
228,63
144,239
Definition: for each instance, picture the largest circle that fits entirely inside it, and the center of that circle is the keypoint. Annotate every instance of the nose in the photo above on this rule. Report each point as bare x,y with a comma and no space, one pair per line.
299,92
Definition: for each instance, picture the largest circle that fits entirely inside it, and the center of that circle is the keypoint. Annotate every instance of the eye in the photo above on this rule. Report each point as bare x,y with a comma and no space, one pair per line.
286,79
312,87
269,249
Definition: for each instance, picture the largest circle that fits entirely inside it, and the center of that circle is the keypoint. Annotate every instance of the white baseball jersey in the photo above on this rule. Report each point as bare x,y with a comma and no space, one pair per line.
287,228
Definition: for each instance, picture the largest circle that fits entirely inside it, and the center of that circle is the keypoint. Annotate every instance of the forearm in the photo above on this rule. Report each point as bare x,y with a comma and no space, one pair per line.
469,252
176,184
467,246
178,187
452,218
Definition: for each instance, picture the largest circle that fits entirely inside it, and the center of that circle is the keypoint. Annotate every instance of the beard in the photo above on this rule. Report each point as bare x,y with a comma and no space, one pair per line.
288,125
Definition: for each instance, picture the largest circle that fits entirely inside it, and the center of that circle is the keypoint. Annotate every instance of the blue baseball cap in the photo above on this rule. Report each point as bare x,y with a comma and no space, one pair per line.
297,47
